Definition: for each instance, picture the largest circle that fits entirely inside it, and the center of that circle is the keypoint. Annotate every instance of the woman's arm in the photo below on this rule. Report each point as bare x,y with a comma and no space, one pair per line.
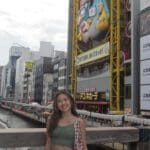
48,139
83,133
48,142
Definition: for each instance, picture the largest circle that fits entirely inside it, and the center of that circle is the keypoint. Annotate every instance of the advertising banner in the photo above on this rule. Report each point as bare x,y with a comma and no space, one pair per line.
145,47
145,54
145,97
94,54
144,4
93,22
29,65
145,72
145,23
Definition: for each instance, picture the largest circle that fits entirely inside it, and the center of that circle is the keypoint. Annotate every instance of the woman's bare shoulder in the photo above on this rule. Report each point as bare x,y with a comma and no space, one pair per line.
80,120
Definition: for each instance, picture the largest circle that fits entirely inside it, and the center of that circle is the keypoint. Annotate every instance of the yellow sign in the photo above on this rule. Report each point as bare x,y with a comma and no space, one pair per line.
29,65
89,96
93,54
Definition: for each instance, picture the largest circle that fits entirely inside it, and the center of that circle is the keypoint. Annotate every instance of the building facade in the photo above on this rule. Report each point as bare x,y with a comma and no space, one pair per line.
59,75
14,53
1,72
46,49
4,82
23,67
42,66
92,51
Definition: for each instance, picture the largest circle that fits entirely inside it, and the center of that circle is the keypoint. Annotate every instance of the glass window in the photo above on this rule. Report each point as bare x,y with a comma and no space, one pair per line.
127,92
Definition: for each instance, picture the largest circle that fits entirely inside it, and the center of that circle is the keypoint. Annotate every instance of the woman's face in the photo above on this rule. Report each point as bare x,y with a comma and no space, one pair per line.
63,103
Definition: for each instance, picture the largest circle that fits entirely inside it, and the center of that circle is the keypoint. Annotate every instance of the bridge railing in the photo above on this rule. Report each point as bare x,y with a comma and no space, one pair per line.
33,137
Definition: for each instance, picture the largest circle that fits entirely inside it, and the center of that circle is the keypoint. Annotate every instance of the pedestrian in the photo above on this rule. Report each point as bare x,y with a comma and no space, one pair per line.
65,129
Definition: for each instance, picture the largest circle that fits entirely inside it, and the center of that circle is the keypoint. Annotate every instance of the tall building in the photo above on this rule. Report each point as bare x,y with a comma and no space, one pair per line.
62,74
22,69
47,88
1,71
59,54
46,49
42,66
28,82
59,75
14,53
4,81
25,77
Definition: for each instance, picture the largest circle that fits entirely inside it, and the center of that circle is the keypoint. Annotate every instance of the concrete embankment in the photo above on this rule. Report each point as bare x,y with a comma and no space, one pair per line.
3,124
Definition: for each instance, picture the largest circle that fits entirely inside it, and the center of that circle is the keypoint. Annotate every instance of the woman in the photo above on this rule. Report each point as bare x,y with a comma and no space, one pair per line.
65,129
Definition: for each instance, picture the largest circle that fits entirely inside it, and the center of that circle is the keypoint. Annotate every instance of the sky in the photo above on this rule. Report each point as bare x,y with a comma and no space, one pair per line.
27,22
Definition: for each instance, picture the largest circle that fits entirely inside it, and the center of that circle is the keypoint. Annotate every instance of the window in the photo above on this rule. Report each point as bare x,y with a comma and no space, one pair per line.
128,69
127,92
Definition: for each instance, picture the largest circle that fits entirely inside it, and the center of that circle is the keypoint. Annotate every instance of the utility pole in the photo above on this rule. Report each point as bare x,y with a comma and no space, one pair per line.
135,52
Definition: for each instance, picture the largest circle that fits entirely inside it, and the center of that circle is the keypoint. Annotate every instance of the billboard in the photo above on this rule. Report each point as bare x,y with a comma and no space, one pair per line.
28,65
145,97
145,55
145,47
145,72
93,23
94,54
145,22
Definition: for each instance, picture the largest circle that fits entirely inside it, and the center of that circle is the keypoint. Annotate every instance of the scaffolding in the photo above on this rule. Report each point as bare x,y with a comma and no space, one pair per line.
74,48
115,64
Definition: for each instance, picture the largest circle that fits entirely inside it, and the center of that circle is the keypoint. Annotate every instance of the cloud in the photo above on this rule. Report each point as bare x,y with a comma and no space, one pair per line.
4,13
30,21
6,41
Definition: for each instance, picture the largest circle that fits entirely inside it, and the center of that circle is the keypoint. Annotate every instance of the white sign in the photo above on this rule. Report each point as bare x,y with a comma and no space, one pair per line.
145,72
144,4
145,22
145,97
93,54
145,47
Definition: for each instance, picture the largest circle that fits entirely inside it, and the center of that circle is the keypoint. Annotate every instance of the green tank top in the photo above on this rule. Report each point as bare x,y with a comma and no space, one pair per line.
63,135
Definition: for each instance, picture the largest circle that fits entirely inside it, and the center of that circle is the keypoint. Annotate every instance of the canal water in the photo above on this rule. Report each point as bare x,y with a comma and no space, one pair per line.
13,121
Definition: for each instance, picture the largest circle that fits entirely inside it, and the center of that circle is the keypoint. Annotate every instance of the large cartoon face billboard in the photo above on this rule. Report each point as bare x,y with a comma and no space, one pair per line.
93,20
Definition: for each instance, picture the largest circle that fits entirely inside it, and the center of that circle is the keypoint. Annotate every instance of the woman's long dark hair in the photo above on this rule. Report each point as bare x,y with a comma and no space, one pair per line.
56,115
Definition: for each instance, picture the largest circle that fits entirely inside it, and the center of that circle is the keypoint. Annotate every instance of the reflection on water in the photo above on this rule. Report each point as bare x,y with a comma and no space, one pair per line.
16,122
25,148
